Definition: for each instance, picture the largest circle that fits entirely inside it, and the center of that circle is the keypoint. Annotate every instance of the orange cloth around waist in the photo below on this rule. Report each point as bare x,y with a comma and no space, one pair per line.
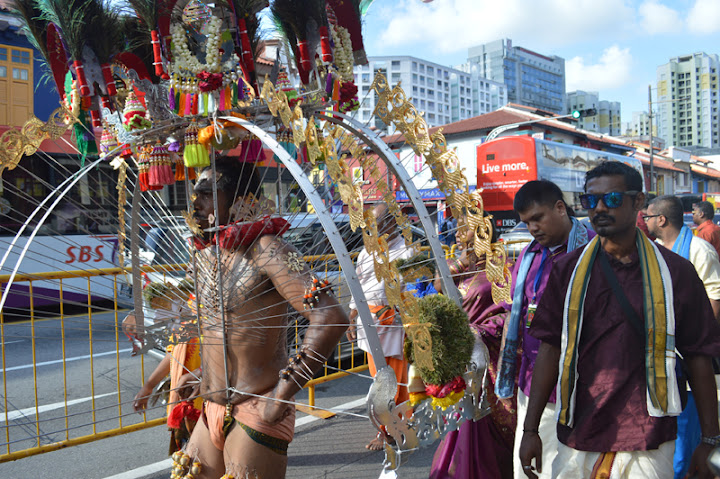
247,413
385,314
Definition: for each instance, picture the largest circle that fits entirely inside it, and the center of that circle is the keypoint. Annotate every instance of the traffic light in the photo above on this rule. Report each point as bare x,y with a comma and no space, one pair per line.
584,113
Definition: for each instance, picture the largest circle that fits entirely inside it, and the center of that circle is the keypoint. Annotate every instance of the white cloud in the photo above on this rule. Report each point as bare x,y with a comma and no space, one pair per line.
658,18
451,25
611,71
704,17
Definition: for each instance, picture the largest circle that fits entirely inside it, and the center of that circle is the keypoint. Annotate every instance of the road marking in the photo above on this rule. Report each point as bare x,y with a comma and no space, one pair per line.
67,360
11,415
11,342
340,409
167,463
144,471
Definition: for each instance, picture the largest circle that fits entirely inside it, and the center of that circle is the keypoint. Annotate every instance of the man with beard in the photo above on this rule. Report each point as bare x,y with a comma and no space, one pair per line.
609,335
247,277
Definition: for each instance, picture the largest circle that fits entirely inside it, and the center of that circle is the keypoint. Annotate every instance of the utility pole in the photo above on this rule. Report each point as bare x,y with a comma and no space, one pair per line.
652,166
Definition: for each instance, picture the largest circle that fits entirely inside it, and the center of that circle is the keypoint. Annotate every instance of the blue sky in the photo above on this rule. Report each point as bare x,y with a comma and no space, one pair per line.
609,46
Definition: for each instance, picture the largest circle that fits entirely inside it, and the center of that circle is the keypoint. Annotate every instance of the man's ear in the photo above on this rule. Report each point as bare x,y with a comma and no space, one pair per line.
560,207
639,201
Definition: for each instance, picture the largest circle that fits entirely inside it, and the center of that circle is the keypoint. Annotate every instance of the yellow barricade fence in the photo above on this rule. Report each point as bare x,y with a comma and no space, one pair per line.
70,379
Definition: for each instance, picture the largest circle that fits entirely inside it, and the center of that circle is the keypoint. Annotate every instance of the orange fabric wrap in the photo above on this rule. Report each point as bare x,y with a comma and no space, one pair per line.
186,358
386,317
248,413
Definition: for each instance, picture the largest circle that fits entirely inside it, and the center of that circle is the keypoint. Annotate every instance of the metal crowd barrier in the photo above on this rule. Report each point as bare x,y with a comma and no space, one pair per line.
86,393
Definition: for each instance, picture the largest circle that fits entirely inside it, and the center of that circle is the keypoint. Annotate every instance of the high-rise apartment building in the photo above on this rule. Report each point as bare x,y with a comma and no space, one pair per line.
531,79
607,117
686,109
640,125
487,95
426,83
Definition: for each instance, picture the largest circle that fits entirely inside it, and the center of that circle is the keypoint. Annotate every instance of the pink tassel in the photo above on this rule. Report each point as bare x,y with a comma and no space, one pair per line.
188,104
221,105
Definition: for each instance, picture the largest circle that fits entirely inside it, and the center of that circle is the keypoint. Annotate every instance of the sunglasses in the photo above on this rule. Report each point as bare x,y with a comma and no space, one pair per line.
614,199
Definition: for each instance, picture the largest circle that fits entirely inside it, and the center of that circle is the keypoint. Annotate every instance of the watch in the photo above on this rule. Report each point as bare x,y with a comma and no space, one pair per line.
712,440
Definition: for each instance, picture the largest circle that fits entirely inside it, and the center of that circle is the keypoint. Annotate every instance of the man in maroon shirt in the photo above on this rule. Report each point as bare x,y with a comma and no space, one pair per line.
703,215
612,429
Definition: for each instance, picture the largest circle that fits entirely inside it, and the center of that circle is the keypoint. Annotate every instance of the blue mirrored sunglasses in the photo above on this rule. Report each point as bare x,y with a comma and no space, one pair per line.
614,199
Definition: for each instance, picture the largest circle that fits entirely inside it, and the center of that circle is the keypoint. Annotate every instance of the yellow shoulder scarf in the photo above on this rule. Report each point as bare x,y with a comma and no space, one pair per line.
663,398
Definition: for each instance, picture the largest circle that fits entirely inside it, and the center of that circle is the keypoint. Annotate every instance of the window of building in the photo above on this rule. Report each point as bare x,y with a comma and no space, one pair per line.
395,77
20,56
366,77
16,85
430,71
422,68
395,63
20,73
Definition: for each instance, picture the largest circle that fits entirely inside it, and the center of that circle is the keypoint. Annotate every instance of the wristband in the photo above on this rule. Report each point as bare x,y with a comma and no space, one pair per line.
533,431
712,440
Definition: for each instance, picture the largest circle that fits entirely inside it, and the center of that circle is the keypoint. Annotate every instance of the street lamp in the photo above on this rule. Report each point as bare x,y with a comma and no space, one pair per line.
575,114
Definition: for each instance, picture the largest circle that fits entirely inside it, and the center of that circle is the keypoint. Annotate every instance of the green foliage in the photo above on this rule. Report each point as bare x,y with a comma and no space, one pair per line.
452,339
155,290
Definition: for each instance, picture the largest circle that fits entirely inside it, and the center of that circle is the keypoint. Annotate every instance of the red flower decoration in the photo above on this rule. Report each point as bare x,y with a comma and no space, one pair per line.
180,412
209,81
440,391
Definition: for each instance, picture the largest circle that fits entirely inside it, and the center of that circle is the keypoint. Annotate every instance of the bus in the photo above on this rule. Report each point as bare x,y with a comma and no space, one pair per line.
505,164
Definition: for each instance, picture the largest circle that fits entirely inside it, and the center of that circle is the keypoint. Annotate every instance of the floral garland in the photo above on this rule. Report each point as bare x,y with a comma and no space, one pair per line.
343,54
204,77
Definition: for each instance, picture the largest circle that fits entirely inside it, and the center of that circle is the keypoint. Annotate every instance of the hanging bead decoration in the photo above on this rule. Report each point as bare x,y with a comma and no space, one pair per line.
312,293
183,467
143,166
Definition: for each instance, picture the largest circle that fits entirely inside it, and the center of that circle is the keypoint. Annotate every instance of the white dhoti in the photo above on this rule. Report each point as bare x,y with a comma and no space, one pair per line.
548,435
654,464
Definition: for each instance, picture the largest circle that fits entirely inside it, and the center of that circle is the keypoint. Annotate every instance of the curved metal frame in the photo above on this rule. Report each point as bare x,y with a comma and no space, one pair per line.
383,151
333,235
80,174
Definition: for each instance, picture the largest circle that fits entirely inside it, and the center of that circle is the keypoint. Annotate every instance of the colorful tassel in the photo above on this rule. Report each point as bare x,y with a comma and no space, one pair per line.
195,155
179,170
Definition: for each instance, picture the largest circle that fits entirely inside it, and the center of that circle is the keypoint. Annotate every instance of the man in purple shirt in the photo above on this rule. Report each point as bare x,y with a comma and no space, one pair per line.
555,231
617,392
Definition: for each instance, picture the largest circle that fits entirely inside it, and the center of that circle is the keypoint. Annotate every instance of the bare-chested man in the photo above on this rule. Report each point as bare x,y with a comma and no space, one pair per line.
261,275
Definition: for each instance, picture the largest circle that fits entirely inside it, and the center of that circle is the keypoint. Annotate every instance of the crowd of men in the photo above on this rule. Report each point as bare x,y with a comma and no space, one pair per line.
607,355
